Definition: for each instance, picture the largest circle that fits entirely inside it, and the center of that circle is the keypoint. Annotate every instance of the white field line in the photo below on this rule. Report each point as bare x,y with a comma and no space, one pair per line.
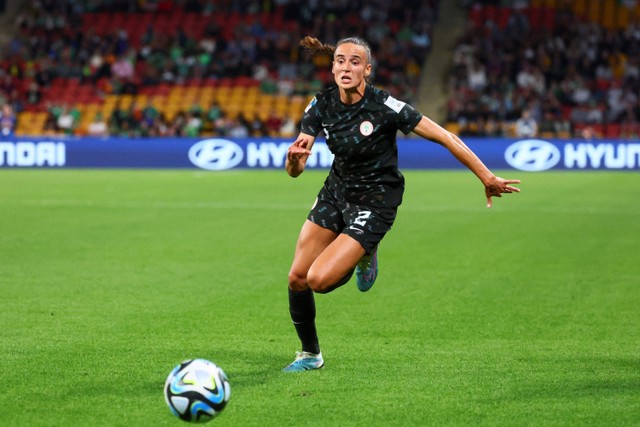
604,210
160,204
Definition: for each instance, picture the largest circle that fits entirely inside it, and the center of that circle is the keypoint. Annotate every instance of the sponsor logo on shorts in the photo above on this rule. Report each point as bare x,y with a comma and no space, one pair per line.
357,230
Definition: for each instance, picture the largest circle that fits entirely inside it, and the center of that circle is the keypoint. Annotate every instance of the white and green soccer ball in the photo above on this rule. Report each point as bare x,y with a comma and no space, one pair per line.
197,390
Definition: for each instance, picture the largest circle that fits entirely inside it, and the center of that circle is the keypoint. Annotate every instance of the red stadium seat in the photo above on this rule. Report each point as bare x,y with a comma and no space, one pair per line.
491,13
475,15
535,17
503,16
612,130
548,18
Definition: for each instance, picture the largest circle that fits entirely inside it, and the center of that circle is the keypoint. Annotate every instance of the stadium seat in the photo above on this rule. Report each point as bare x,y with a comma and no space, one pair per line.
593,11
608,14
612,130
579,8
475,15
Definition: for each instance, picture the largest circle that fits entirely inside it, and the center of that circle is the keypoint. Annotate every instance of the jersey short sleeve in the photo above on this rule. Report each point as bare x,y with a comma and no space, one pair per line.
407,116
311,122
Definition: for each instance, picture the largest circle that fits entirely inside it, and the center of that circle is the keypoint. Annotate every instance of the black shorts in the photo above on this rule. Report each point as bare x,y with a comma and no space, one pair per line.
366,224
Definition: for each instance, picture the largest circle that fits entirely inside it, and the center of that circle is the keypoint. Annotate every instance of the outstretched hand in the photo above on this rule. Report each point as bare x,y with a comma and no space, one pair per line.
499,186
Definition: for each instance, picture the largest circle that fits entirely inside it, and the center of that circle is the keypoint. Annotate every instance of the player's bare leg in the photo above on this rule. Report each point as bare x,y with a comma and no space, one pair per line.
323,261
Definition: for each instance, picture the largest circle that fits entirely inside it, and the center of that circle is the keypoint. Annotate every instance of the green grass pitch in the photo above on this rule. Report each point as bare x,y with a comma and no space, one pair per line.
524,314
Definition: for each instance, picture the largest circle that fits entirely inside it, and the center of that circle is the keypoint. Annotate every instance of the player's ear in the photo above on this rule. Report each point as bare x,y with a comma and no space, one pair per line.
367,70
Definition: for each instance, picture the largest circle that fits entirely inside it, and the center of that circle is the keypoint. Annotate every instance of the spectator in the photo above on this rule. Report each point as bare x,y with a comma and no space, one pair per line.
150,114
258,128
177,125
159,127
548,127
236,129
244,122
120,119
273,123
288,128
7,120
214,114
193,124
98,127
594,113
477,76
526,126
215,111
68,120
122,69
34,94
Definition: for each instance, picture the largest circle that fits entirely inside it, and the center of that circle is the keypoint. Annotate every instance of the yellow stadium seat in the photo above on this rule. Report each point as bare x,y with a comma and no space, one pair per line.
452,127
580,7
593,13
622,17
608,14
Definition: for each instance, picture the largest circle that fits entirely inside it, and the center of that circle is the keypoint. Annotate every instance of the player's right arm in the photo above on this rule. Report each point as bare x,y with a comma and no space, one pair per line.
298,153
494,185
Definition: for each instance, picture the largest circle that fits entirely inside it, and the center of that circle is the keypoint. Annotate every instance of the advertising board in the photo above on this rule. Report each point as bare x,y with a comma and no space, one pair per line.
217,154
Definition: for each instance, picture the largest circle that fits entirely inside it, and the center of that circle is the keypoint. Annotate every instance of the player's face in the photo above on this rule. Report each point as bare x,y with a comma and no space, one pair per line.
350,66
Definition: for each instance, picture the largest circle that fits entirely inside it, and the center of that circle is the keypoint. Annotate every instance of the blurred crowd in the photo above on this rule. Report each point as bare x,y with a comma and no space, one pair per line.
55,39
570,77
148,121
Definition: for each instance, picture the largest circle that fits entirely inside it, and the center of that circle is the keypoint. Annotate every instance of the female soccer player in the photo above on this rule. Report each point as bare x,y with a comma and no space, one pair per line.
358,202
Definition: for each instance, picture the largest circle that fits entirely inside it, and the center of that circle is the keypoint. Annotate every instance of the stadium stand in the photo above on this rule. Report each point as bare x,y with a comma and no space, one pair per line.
194,67
572,64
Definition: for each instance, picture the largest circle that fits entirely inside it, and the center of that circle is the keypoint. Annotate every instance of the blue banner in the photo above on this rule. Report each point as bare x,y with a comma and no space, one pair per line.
223,154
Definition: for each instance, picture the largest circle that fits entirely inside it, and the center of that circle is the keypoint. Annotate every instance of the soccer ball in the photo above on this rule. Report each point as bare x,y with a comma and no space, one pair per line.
197,390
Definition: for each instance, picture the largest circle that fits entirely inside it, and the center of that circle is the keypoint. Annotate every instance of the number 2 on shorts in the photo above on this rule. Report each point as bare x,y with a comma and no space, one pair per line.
362,218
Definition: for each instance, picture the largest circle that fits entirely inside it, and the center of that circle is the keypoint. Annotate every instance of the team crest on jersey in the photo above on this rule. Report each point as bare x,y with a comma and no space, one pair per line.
366,128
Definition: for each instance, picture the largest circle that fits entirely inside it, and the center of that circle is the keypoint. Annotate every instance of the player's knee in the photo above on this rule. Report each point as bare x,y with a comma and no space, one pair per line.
297,281
330,284
320,282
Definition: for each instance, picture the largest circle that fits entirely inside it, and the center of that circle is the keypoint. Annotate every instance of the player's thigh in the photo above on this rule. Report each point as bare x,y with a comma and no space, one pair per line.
312,241
336,260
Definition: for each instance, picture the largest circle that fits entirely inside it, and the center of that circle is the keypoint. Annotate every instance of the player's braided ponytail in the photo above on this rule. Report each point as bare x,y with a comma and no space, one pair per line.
316,47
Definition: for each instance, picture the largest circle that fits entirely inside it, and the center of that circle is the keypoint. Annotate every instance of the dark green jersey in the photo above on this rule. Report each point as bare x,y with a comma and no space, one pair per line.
362,137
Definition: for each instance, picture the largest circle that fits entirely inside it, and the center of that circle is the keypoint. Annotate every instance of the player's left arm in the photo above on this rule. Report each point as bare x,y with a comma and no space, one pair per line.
494,186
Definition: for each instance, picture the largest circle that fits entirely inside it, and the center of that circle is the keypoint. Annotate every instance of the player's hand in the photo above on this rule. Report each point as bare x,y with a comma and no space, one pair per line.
297,150
498,186
297,155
